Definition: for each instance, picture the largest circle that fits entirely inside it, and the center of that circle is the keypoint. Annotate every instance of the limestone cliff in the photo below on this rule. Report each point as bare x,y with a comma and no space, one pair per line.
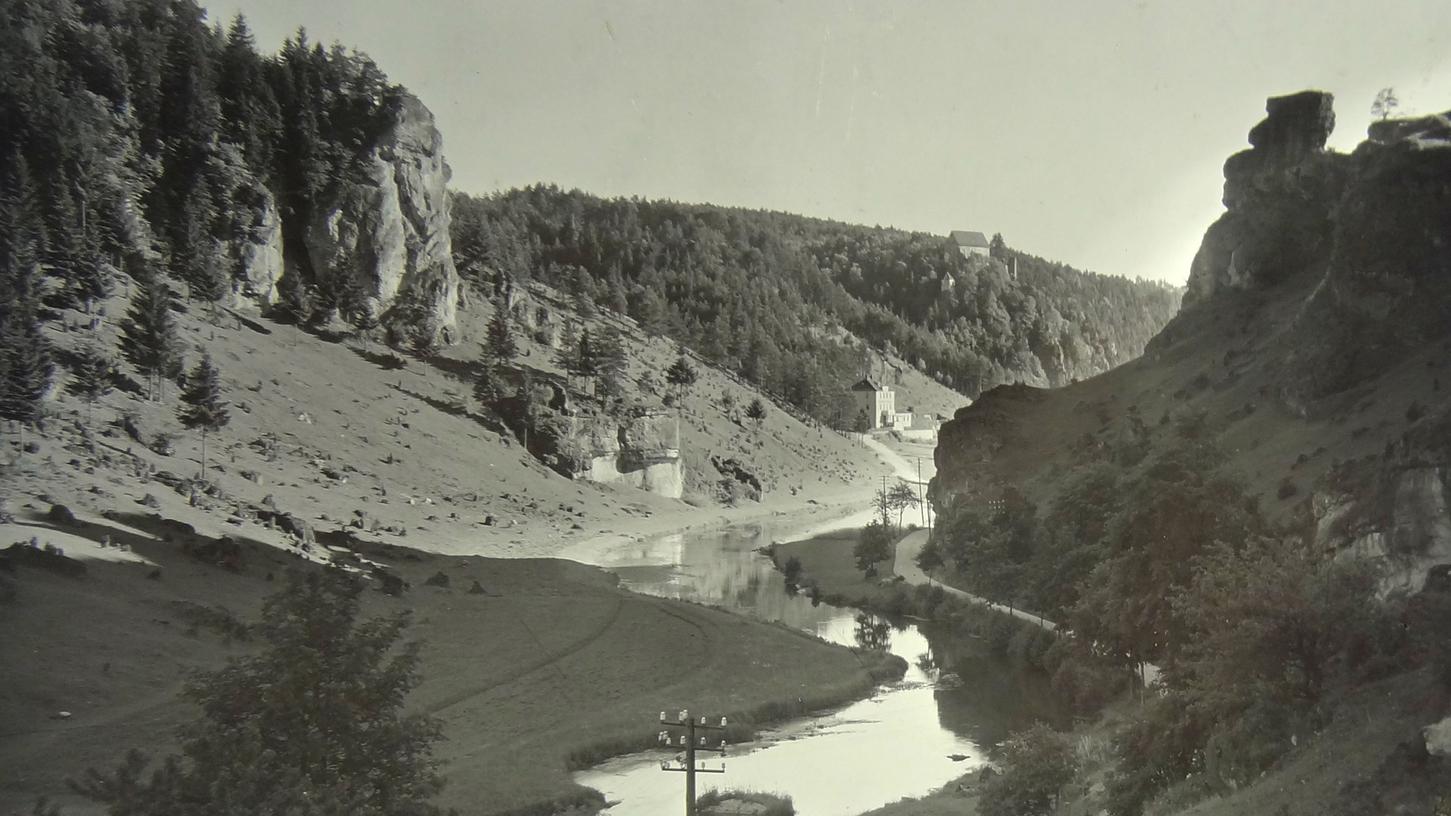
1314,349
259,253
385,233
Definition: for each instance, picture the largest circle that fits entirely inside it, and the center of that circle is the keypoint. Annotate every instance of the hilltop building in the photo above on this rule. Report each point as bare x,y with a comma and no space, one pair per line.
971,243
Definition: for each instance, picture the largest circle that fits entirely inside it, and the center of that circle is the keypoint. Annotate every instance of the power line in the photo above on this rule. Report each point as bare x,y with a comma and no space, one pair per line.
691,743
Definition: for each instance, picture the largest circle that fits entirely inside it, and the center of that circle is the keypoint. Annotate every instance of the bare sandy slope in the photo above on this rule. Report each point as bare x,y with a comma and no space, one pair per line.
404,452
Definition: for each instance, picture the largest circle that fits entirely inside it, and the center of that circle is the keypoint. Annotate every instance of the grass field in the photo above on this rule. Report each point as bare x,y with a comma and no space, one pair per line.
827,560
551,664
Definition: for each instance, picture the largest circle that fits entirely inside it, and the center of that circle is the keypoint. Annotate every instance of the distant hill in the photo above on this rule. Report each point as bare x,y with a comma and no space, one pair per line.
761,292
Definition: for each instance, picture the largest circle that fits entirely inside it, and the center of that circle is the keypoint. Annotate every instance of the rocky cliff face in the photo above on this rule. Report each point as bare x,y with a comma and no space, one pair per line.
641,451
1278,196
260,254
1314,349
387,233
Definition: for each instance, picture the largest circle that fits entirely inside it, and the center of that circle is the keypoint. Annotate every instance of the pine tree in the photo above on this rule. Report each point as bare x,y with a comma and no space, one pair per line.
682,376
148,332
587,360
312,723
610,364
293,297
486,387
500,346
202,407
25,359
567,357
92,377
756,412
196,256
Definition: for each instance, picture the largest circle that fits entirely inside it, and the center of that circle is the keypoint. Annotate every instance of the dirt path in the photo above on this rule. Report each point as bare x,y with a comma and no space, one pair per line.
906,566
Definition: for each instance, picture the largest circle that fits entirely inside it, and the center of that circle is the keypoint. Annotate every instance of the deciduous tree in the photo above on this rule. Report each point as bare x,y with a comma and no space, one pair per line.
873,546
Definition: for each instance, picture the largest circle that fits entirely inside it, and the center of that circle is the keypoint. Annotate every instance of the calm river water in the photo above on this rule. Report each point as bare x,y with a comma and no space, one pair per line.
909,738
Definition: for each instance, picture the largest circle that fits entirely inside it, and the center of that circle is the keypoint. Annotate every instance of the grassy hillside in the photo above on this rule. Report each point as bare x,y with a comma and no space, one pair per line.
545,665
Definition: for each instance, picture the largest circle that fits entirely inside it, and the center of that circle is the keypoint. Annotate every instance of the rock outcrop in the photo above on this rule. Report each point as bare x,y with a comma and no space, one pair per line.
260,254
1311,351
642,451
575,439
1386,289
386,234
1278,196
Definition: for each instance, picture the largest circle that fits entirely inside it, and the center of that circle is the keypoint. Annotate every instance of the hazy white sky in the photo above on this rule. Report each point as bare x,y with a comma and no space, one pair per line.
1088,132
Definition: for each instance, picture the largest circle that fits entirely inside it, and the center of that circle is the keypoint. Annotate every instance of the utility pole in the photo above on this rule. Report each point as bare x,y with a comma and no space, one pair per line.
691,743
921,495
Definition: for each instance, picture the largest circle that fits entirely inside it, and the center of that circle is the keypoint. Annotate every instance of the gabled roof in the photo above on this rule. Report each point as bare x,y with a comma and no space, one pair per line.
867,384
967,238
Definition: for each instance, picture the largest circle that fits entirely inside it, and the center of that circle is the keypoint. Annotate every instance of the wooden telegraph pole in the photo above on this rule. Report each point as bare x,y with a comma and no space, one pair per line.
691,742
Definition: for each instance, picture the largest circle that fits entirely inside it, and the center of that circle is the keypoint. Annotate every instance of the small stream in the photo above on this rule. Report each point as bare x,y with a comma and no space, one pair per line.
908,738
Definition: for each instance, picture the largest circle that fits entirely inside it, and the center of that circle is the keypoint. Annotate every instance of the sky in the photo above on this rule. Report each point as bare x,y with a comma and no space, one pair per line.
1092,133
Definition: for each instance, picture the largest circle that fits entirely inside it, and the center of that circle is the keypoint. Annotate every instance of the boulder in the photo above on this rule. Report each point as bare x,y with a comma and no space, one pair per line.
1438,738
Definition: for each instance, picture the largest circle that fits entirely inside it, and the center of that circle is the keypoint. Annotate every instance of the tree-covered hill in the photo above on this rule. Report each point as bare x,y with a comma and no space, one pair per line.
767,293
140,134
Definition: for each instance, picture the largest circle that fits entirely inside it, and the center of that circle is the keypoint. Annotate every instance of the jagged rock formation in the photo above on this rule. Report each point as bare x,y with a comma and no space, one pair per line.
260,263
1314,349
576,439
642,451
1278,200
388,235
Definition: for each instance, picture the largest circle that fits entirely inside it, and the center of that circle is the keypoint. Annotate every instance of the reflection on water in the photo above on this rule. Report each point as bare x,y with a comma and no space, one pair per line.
909,738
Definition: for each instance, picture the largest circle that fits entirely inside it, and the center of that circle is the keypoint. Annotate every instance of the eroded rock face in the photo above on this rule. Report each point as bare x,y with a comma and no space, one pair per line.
1278,195
1408,537
1386,289
260,257
388,234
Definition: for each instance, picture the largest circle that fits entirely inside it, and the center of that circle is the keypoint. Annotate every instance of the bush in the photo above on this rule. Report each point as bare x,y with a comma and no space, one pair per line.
792,571
1037,763
1287,488
774,804
1158,747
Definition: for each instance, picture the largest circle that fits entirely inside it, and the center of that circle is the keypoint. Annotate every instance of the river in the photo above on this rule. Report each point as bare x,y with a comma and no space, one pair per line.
908,738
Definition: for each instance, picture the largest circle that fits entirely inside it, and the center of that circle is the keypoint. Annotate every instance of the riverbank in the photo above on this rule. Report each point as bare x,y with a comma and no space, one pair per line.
534,666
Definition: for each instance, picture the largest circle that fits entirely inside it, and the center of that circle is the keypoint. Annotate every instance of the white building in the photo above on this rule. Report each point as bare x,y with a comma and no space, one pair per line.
879,403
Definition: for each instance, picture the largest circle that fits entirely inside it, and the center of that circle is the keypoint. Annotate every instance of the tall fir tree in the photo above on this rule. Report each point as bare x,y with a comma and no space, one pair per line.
148,332
202,407
92,377
195,254
25,357
586,361
681,376
500,345
567,357
610,366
